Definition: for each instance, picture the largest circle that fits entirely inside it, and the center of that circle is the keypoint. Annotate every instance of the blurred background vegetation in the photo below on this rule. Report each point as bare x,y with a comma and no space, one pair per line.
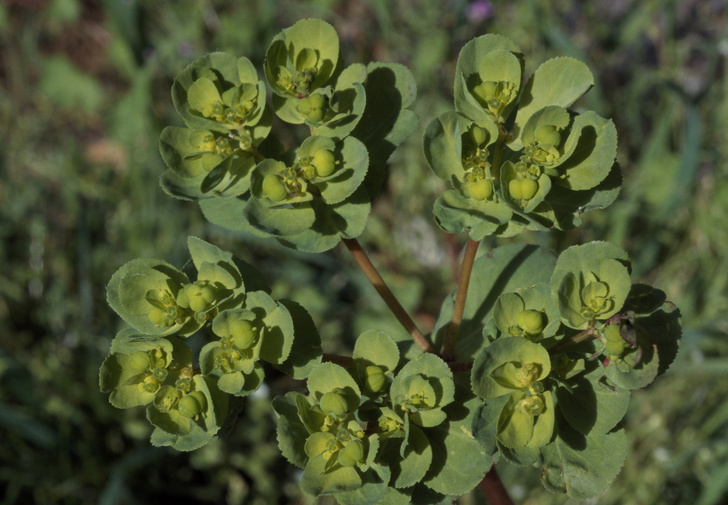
84,94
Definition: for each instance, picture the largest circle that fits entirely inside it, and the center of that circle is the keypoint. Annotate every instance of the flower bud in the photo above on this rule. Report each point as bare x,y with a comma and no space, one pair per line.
522,189
159,317
273,188
324,162
387,424
200,295
351,454
192,404
375,380
546,135
139,362
166,398
477,135
242,333
312,107
334,402
532,405
530,321
485,90
478,190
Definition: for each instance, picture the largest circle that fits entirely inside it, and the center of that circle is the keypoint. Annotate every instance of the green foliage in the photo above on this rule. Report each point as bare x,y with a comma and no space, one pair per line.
503,192
311,196
187,405
554,346
393,441
80,165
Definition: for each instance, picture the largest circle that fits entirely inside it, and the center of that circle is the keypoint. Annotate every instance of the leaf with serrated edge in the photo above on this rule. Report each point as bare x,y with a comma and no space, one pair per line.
558,81
582,467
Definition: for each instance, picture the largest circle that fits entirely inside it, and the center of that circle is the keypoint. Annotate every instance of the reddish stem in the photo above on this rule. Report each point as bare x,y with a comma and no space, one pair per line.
448,347
493,489
345,361
372,274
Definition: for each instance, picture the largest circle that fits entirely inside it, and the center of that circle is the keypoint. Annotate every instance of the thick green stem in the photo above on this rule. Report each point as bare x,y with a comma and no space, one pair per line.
402,316
494,490
448,346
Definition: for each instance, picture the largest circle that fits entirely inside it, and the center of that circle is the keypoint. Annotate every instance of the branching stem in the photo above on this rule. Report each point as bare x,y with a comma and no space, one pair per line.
345,361
448,346
579,337
402,316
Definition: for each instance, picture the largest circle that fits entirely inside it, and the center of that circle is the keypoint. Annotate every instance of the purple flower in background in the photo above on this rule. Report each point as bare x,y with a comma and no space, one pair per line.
478,10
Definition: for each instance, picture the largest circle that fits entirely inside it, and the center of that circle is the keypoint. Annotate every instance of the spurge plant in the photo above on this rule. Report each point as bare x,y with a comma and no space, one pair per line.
532,358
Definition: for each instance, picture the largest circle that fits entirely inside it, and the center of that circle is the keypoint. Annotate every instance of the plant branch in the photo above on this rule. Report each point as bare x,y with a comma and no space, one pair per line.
402,316
579,337
493,489
345,361
448,347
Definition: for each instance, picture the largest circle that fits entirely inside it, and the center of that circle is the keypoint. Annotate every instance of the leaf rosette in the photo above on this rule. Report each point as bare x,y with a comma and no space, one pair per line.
321,433
157,372
331,111
222,93
302,58
527,420
302,66
516,367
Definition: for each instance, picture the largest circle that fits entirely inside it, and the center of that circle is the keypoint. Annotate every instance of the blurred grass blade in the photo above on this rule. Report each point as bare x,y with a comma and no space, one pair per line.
16,421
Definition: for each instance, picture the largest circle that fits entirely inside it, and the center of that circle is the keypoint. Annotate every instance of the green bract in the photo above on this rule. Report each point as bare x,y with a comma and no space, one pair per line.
528,313
509,365
421,389
188,415
139,366
488,78
375,358
590,283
